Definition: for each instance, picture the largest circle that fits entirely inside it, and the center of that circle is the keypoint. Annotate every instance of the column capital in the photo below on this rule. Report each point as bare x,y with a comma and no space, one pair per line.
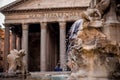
62,25
43,25
25,26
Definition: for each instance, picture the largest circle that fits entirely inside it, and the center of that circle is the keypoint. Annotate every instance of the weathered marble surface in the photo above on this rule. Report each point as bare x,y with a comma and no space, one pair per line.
16,62
92,55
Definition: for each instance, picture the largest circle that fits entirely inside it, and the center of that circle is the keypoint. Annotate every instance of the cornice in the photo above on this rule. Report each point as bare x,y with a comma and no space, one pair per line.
7,7
44,10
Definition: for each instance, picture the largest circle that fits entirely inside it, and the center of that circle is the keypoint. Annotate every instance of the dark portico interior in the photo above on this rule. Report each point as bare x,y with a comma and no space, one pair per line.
52,45
34,47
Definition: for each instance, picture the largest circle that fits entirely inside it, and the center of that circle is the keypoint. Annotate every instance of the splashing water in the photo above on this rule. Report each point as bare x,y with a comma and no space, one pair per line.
77,26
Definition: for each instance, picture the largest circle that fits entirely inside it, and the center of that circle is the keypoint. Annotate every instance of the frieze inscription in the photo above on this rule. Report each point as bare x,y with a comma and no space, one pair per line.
44,16
55,15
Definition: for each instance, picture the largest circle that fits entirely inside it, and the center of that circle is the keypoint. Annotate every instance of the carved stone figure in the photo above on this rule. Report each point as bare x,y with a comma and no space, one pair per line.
102,6
20,62
91,13
12,61
15,61
91,54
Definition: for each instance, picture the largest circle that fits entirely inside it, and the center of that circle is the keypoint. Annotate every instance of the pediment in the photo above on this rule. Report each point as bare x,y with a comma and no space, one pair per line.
42,4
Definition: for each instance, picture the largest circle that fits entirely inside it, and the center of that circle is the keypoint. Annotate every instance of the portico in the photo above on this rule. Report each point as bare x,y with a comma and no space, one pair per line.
52,46
41,32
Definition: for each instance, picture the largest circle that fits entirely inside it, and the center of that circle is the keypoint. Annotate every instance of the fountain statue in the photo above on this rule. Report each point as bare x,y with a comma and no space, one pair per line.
93,52
16,62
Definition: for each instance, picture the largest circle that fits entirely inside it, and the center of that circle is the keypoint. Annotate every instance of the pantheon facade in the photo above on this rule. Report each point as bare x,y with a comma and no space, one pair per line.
40,27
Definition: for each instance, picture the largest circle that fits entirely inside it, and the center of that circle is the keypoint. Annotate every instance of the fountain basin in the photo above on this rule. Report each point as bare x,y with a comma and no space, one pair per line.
59,77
